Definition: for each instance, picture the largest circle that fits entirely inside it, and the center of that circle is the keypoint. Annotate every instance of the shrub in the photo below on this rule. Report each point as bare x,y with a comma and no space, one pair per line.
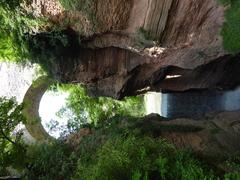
12,150
113,152
15,24
48,48
85,6
231,27
53,161
25,37
232,176
96,110
141,158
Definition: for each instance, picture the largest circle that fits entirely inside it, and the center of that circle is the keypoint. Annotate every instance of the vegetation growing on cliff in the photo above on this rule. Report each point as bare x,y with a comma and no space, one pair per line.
25,37
84,9
15,23
47,48
78,5
231,28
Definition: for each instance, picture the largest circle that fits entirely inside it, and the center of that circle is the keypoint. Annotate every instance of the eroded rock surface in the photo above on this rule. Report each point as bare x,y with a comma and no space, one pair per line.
117,73
116,59
213,135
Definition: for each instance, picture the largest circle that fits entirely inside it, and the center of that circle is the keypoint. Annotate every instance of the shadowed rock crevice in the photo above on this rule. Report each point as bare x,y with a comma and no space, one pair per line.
222,73
157,16
117,73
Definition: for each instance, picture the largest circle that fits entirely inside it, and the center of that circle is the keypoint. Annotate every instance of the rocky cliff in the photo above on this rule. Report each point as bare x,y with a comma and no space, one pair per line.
215,135
132,46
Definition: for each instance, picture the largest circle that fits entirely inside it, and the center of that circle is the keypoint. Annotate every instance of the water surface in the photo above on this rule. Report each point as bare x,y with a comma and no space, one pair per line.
192,103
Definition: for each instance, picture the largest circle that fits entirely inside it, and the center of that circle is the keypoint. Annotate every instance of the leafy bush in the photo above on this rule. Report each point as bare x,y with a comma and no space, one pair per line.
15,24
232,176
11,148
231,28
86,7
141,158
146,35
25,37
96,110
53,161
77,5
49,48
115,151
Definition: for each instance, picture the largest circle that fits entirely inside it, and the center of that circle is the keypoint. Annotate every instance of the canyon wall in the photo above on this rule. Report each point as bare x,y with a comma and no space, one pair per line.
134,46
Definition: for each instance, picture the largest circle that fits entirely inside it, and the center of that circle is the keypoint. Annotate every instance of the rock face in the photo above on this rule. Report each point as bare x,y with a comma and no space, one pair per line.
117,73
222,73
117,59
156,16
214,135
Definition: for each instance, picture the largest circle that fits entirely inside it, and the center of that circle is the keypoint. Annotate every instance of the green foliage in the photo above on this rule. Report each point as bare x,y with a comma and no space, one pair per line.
232,176
53,161
85,6
231,28
15,24
233,163
115,151
141,158
96,110
48,48
146,34
77,5
225,2
26,38
11,149
144,38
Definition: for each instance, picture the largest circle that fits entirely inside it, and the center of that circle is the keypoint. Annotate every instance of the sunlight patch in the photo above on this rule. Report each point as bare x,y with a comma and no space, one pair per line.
50,104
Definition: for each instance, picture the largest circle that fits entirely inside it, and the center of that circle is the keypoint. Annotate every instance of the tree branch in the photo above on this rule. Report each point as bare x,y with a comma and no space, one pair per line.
6,137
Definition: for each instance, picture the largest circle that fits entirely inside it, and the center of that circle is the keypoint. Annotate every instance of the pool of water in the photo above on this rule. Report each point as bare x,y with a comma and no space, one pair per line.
192,103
